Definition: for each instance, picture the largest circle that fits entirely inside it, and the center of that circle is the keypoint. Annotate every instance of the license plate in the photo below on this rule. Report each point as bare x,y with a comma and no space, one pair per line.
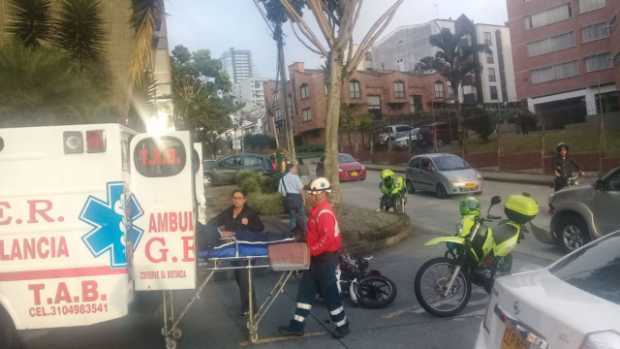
513,339
471,186
353,174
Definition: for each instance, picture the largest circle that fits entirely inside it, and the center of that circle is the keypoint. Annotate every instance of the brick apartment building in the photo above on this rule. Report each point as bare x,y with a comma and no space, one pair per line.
566,56
384,95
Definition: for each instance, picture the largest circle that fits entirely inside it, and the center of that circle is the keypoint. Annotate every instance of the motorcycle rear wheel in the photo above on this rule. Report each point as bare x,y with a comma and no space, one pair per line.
376,291
430,285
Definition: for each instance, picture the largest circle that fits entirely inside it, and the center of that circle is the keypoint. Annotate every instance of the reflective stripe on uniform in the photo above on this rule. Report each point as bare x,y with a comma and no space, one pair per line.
325,210
341,323
337,311
304,306
299,318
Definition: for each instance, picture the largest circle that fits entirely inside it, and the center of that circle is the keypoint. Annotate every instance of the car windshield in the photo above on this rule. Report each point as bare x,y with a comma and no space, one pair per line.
594,269
450,163
345,158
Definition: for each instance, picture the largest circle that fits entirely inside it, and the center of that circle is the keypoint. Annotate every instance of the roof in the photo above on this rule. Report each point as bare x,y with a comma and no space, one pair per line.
435,155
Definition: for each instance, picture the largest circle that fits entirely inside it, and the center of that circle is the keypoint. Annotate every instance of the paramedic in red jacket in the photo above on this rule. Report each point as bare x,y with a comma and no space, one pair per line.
324,241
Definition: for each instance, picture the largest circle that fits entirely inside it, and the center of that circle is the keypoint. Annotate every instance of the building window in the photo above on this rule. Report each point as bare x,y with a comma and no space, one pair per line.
551,16
289,107
304,91
492,76
326,89
276,97
488,39
493,93
355,90
490,58
399,89
617,59
595,32
279,115
307,115
554,72
591,5
598,62
552,44
415,103
439,90
374,103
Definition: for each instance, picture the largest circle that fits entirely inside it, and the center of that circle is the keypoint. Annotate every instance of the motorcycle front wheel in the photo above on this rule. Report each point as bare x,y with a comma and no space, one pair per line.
431,282
376,292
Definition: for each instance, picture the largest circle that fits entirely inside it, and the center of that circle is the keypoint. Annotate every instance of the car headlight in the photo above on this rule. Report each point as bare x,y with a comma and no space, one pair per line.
602,340
339,170
478,176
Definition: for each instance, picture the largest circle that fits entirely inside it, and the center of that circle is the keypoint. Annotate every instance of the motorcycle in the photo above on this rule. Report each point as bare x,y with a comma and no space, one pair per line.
443,285
370,289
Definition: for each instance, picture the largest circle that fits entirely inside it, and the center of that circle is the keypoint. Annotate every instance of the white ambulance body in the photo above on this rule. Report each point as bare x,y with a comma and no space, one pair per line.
79,204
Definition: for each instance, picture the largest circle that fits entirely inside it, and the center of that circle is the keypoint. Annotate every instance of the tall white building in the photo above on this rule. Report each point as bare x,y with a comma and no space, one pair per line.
403,49
246,87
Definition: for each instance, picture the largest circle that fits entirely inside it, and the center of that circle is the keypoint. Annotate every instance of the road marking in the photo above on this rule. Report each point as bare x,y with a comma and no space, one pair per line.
268,340
400,312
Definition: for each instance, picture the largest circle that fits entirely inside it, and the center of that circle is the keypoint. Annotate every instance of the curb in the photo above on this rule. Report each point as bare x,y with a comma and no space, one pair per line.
369,246
489,176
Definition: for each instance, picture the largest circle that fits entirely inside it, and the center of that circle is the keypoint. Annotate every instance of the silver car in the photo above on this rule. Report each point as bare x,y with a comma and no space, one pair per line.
584,213
443,174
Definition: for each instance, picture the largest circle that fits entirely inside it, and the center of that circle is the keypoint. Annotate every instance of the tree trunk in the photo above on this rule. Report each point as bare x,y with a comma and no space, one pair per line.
332,123
290,133
460,129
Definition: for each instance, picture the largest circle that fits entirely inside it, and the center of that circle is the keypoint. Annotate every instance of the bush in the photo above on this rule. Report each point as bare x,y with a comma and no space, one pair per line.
479,121
266,204
311,148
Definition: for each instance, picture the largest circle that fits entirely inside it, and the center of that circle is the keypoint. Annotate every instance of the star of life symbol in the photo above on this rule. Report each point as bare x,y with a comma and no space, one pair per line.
110,232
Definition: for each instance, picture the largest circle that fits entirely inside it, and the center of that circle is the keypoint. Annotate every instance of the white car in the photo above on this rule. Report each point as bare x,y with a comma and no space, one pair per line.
392,132
572,304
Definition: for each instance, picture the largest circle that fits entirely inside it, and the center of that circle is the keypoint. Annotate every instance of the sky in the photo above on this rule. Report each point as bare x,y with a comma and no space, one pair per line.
217,25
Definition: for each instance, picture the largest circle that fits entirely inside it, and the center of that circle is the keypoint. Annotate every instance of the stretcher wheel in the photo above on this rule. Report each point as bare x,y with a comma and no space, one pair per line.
171,343
177,333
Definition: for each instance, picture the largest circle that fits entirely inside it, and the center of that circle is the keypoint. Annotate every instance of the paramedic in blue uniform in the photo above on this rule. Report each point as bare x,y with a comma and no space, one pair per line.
324,242
292,189
240,222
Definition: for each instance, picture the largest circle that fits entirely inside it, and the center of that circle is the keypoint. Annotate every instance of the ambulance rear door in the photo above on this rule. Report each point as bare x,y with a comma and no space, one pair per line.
162,180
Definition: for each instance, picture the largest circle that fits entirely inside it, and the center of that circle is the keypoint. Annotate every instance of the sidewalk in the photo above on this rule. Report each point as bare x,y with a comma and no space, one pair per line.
509,177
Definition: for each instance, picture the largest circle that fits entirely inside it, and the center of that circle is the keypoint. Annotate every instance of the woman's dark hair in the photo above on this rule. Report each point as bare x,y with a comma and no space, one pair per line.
242,192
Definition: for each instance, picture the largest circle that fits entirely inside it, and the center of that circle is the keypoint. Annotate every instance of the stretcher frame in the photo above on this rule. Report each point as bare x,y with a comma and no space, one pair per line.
171,329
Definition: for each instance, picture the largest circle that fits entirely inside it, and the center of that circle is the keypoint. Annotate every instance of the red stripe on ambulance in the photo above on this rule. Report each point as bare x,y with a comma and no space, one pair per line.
60,273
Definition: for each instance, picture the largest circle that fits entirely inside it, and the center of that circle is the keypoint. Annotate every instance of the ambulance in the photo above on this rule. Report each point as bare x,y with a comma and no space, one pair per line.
90,214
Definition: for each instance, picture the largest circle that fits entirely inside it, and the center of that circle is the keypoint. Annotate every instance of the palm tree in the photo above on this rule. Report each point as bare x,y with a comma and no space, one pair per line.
457,58
31,21
146,17
44,86
80,31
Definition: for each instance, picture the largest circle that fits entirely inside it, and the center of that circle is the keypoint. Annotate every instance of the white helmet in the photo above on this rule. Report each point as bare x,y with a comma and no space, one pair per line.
319,185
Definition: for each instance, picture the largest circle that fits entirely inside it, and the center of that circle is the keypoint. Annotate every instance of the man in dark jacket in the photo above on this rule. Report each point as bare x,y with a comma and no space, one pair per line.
563,167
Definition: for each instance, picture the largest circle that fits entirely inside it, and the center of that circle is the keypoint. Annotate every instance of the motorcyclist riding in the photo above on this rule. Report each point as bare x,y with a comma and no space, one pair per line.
563,167
392,187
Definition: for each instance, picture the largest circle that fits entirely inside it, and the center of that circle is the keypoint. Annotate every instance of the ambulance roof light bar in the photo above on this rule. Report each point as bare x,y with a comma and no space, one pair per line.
73,142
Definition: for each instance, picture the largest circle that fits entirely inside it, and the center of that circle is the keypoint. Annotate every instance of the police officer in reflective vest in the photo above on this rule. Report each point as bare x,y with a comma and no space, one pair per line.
324,241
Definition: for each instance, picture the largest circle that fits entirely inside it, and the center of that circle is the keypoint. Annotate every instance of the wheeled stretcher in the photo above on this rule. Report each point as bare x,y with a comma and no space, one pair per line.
283,256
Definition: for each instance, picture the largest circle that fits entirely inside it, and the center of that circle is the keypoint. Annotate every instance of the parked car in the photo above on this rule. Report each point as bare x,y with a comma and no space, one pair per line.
225,170
350,169
443,174
584,213
403,141
574,303
392,132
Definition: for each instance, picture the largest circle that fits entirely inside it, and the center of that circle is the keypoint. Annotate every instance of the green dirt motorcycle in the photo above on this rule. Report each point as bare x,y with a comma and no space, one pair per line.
475,255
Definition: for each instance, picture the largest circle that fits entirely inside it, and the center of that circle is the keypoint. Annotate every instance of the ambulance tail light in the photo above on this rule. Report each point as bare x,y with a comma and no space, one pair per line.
73,142
95,141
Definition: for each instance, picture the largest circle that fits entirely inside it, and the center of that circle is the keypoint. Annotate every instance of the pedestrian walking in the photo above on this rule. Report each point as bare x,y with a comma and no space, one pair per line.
292,189
324,241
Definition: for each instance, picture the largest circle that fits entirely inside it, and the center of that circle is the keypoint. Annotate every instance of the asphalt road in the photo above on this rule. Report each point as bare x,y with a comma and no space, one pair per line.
214,322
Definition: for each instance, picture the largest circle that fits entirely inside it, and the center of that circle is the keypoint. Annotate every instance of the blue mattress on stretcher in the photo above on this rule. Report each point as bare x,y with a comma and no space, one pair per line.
237,249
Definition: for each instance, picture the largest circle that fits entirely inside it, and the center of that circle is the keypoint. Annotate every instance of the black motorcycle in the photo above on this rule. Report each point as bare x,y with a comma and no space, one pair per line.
370,289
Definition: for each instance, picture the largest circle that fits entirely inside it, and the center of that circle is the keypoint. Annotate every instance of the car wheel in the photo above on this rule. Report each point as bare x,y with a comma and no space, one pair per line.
441,192
410,188
8,335
573,233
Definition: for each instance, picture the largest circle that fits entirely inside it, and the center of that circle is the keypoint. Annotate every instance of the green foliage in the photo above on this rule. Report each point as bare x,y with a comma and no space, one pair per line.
31,22
251,182
80,31
266,204
259,142
200,91
480,121
276,12
44,86
311,148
